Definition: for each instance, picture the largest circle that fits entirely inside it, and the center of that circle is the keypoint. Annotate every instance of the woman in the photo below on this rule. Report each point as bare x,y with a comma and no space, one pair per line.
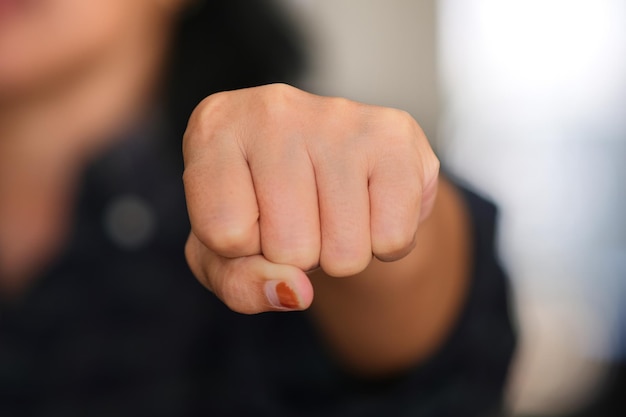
100,313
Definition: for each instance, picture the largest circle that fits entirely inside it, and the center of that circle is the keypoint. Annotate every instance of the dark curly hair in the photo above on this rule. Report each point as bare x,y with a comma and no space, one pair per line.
229,44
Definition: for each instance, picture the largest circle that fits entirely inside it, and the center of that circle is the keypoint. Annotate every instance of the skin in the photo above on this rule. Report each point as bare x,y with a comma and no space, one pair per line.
290,195
279,181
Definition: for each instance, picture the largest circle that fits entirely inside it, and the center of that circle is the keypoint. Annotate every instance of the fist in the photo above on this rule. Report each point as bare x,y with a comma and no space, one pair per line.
279,181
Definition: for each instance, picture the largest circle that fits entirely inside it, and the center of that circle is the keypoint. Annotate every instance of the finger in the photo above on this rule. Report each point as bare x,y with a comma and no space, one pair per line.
287,198
395,197
344,215
402,188
429,195
220,195
249,285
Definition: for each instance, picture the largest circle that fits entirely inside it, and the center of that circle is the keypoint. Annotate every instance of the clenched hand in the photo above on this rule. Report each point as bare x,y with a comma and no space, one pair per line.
279,181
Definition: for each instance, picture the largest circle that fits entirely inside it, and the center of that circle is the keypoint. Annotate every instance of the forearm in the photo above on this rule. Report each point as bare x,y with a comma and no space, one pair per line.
393,315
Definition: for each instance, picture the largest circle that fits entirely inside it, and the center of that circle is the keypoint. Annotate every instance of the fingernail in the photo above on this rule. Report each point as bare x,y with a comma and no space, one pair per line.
280,295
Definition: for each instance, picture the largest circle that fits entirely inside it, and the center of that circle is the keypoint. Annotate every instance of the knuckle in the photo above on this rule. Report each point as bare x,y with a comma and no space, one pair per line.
432,165
200,266
408,123
397,134
229,241
190,255
207,107
344,266
406,129
342,105
291,245
281,89
394,246
277,100
192,258
189,179
206,122
346,115
200,115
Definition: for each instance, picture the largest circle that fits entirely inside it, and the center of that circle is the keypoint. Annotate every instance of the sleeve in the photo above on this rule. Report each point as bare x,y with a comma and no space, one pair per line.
467,374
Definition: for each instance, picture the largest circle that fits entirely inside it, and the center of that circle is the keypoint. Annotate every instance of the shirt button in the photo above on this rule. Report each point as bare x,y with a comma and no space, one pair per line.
129,221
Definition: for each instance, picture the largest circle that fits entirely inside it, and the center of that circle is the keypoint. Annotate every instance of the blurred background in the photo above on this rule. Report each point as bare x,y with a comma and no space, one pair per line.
525,100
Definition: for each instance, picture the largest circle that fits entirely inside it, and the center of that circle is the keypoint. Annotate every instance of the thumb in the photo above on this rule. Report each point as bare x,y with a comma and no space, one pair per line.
249,284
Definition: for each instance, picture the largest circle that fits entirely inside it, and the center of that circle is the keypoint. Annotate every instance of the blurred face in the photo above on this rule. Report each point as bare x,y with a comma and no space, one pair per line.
42,41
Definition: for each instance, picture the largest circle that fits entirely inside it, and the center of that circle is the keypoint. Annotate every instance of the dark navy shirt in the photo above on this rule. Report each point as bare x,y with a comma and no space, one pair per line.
118,326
